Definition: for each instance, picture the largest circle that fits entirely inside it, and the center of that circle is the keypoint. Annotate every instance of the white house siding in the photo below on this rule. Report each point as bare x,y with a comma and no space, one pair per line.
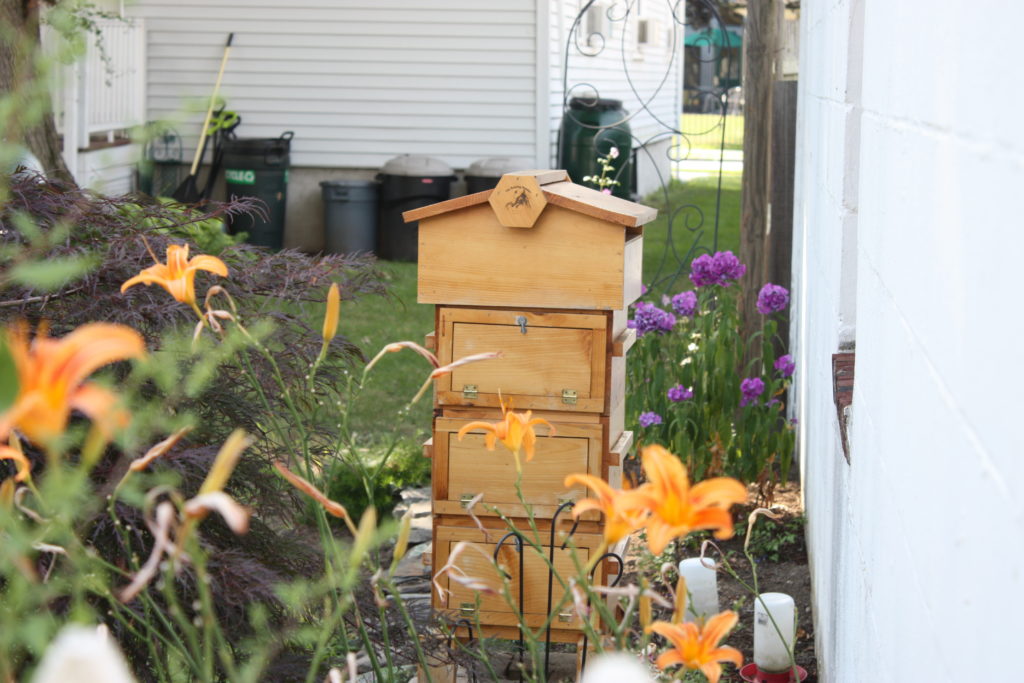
907,242
358,82
655,72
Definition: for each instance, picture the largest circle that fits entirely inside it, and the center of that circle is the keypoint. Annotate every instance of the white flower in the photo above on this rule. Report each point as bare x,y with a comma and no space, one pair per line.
691,347
613,153
615,667
83,655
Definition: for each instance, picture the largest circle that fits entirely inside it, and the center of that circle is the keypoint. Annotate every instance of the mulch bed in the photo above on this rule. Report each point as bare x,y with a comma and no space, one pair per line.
781,558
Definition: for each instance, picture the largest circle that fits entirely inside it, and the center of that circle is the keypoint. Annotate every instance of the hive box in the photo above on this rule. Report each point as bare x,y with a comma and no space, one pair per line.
535,241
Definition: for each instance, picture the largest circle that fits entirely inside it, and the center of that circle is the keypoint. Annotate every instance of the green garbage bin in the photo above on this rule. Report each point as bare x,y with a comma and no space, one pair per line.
591,127
258,167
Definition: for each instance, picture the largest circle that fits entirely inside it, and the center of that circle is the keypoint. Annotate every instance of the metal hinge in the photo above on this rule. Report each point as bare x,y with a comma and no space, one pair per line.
469,391
565,617
569,396
466,498
467,608
521,321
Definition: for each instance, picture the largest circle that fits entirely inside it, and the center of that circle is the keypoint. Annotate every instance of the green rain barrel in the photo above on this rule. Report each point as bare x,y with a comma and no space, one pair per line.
590,128
258,167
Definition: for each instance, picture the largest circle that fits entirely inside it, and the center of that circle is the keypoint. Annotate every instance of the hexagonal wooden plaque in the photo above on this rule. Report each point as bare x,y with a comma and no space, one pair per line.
517,201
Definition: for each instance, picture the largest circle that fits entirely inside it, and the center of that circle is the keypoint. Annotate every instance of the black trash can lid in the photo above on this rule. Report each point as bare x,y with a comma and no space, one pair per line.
495,167
595,104
416,165
347,183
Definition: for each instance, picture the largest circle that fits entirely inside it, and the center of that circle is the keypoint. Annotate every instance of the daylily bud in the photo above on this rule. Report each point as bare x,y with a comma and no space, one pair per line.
331,316
402,544
679,613
364,537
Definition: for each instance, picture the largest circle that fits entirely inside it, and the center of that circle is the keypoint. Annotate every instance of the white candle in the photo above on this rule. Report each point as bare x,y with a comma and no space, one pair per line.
702,585
771,653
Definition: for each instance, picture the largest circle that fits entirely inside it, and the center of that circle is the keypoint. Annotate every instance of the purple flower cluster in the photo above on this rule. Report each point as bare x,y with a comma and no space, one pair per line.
649,418
685,303
785,365
679,393
752,388
649,318
772,299
721,269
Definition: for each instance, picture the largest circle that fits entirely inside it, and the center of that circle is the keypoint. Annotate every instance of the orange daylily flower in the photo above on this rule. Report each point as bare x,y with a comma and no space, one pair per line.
677,508
623,510
697,648
52,374
178,275
515,431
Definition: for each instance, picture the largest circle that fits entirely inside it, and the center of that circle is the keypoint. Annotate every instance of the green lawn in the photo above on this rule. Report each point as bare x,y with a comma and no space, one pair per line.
704,131
372,322
691,208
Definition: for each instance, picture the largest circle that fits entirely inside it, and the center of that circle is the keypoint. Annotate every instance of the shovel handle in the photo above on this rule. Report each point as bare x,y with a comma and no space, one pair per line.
209,110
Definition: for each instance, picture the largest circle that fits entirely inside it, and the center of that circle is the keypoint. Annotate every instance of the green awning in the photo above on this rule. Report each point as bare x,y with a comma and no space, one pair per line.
716,37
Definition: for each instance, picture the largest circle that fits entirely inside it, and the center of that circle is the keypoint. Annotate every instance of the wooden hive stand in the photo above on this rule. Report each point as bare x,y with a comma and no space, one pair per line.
542,270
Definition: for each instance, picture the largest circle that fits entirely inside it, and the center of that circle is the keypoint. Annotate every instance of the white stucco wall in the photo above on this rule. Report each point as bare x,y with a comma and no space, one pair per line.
910,159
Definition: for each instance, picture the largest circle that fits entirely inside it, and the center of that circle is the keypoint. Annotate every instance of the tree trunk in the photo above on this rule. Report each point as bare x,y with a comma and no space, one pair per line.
761,44
19,78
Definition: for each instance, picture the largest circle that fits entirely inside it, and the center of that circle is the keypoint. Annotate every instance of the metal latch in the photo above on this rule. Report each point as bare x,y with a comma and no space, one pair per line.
565,617
469,391
467,607
521,321
465,499
569,396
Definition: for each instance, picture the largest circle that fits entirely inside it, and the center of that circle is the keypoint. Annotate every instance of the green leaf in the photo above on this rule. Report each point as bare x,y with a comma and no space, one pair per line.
9,384
51,274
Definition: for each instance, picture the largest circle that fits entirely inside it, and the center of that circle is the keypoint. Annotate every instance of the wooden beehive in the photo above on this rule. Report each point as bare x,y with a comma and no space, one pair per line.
542,270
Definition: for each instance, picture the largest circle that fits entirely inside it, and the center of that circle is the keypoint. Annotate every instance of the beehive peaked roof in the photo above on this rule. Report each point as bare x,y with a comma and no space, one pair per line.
560,191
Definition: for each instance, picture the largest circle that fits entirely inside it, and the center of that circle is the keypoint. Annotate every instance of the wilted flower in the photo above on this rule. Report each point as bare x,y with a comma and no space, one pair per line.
772,299
785,365
721,269
649,418
752,388
685,303
679,393
650,318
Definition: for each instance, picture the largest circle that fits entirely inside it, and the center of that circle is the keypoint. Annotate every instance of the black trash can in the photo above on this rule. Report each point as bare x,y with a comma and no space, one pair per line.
258,167
484,174
407,182
590,128
350,215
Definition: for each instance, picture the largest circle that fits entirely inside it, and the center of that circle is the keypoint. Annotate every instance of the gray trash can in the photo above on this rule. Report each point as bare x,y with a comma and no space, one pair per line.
406,183
350,215
484,174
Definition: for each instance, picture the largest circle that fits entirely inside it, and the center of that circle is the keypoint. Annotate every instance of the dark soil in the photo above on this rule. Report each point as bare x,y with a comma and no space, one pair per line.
780,554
